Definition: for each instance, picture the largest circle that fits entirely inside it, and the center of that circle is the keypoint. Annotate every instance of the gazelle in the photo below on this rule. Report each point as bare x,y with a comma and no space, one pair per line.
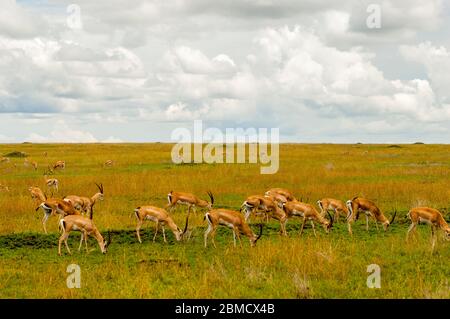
268,206
86,204
335,205
161,217
188,199
4,160
280,199
37,194
54,206
233,220
87,227
51,182
430,216
308,212
255,204
59,165
282,191
357,205
108,163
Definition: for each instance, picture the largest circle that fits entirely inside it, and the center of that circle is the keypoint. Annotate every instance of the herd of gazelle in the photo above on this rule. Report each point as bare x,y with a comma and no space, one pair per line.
276,203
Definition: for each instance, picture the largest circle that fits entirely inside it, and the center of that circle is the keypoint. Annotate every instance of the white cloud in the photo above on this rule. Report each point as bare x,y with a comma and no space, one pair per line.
17,22
436,61
239,61
63,133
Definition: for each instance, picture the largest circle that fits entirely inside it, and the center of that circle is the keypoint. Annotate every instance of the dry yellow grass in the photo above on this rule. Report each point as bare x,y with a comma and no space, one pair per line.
327,266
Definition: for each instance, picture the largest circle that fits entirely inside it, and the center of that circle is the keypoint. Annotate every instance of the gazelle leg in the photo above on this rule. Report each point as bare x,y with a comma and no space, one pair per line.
156,231
164,233
349,227
433,238
81,241
283,225
205,236
63,237
85,241
367,222
303,225
138,228
314,228
44,220
336,214
234,238
213,234
236,231
410,229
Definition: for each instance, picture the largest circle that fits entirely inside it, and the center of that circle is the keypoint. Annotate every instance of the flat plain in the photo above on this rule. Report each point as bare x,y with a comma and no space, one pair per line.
396,177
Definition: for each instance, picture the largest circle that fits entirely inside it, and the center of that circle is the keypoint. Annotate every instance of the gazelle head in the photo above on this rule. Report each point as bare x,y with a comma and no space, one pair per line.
179,234
211,198
387,223
100,188
447,233
329,224
255,238
105,243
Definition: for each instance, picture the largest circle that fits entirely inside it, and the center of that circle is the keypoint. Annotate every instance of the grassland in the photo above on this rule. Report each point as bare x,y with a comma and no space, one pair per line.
329,266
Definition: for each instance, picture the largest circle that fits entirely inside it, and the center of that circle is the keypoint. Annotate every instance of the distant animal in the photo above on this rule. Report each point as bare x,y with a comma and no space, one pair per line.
108,163
59,165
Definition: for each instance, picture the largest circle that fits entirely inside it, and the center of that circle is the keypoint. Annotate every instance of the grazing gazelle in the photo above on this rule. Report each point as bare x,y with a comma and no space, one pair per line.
86,204
59,165
54,206
430,216
87,227
335,205
188,199
308,212
4,160
161,217
357,205
282,191
267,206
233,220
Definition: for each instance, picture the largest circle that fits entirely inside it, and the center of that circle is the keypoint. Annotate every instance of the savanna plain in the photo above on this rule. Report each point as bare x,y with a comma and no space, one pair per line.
334,265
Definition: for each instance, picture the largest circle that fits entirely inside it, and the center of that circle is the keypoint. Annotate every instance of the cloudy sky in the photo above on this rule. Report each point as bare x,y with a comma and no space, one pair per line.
107,71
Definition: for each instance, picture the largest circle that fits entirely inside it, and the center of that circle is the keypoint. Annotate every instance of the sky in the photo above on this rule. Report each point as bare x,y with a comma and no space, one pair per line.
135,71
